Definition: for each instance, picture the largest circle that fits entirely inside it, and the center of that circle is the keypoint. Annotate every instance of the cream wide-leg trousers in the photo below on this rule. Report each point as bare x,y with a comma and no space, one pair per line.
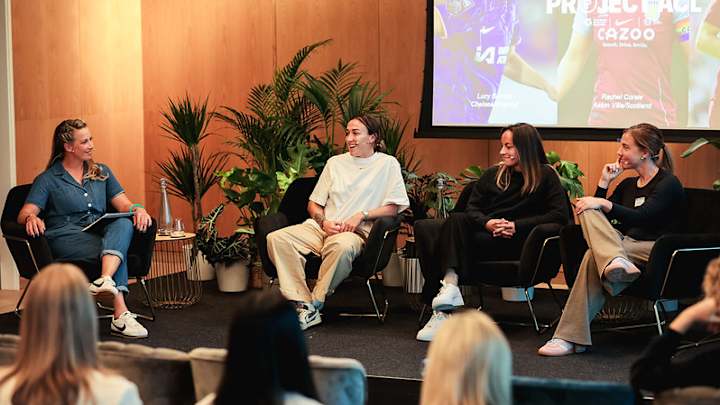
288,246
590,289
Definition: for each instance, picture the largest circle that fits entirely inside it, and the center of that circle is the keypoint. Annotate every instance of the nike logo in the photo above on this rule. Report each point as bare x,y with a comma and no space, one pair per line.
622,22
120,329
484,30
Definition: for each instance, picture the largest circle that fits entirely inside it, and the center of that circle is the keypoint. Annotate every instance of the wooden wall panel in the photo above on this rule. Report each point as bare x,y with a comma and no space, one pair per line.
115,63
218,49
79,58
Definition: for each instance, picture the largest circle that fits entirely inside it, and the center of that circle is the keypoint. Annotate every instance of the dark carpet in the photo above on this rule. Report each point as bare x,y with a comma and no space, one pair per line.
389,349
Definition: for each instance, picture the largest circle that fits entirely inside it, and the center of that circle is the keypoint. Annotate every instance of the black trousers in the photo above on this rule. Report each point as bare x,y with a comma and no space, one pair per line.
458,243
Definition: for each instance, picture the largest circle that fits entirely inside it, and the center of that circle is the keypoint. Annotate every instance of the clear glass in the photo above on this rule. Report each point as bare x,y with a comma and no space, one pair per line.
178,229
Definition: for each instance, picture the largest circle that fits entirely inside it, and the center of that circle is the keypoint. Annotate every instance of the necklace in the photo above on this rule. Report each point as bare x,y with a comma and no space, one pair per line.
641,183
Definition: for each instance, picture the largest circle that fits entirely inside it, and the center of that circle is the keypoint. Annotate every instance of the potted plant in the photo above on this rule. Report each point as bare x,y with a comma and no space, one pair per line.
189,171
229,255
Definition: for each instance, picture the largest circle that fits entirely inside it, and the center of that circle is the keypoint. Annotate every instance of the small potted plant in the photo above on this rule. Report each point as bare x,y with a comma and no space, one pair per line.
229,255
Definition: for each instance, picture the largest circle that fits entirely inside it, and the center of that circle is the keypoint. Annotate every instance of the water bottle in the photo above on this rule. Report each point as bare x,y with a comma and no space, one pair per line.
165,225
441,208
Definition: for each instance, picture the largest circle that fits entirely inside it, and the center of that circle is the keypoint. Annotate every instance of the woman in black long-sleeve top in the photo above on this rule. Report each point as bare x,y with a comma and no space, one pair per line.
506,203
657,371
645,207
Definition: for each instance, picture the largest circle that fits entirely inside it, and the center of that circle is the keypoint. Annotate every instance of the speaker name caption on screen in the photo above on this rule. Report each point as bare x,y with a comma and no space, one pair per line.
622,101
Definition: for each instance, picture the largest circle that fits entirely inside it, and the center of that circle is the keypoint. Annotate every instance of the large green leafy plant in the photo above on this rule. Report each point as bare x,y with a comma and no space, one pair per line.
290,126
699,143
569,173
190,171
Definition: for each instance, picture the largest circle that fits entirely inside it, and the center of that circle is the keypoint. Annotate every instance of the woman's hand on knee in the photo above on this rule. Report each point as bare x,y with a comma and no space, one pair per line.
141,219
591,203
331,227
34,226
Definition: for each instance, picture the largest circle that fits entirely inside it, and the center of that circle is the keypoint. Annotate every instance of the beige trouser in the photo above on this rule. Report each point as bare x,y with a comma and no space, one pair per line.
590,289
288,246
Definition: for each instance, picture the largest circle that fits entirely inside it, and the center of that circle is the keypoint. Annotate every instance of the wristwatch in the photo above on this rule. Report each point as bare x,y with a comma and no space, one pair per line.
366,215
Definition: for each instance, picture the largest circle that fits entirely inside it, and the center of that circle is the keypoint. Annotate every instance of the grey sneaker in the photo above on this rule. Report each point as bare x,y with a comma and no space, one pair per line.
127,326
308,315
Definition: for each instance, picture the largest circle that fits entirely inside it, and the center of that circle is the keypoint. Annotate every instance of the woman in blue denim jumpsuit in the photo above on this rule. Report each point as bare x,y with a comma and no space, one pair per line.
73,192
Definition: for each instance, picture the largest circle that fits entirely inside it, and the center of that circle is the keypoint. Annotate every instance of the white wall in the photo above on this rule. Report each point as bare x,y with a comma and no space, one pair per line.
8,272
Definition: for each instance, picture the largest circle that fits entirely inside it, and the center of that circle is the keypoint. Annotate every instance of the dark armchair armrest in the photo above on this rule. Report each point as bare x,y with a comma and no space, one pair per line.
378,247
263,227
677,265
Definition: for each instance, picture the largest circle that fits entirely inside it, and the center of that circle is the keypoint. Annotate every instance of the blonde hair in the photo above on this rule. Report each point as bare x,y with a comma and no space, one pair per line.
65,133
711,282
469,363
58,337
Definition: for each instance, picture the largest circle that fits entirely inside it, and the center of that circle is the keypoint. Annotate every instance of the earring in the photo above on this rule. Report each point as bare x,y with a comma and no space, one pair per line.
643,157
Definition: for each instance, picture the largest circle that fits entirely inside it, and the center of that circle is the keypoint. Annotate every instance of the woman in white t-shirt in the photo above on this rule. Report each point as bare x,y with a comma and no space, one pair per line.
56,361
354,188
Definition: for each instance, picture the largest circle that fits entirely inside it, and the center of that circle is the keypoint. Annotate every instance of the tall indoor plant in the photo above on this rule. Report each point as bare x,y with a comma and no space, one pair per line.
190,171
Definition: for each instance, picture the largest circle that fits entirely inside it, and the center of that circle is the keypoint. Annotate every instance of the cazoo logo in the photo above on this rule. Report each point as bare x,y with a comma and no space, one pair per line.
625,34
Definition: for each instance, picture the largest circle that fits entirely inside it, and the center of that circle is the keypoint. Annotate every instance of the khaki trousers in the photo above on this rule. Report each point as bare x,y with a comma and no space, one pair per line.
288,246
590,289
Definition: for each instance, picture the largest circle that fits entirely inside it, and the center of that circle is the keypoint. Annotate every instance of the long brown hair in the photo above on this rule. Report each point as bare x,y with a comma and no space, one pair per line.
65,133
650,138
530,149
58,337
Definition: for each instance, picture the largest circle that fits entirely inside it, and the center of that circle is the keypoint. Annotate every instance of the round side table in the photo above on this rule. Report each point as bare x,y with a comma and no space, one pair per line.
174,277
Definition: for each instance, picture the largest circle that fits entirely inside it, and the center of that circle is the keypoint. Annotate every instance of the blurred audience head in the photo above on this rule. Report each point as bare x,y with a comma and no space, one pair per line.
58,337
469,363
267,355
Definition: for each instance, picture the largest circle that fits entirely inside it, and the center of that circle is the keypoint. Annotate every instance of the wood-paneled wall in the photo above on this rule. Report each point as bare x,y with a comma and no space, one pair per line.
116,63
79,59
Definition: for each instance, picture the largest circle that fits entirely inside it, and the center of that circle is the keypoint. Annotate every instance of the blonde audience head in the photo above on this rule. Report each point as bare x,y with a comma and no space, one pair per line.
58,336
469,363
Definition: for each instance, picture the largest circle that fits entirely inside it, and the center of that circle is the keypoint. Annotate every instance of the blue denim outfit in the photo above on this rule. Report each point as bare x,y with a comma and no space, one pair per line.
68,207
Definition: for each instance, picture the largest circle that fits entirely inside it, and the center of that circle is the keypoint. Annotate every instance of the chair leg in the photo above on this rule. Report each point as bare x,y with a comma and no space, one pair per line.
532,311
658,322
22,297
150,317
555,297
422,315
381,318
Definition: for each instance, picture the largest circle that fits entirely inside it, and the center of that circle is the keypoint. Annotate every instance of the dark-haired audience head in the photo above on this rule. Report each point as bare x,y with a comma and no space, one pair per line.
267,355
521,150
58,335
641,143
469,363
363,135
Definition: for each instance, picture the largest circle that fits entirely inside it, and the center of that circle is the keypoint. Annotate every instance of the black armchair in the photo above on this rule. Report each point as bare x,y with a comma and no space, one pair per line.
677,262
539,261
32,254
293,210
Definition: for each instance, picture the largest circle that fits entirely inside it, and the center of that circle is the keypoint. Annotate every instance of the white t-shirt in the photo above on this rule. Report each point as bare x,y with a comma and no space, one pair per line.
106,389
349,185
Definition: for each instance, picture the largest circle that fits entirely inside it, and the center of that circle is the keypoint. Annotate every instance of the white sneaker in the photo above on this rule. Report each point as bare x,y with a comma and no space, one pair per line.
104,291
127,326
448,298
427,333
308,315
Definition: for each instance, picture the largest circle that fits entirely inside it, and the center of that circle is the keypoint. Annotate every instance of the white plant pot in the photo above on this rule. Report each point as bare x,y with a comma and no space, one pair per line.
516,294
205,270
392,275
233,277
412,276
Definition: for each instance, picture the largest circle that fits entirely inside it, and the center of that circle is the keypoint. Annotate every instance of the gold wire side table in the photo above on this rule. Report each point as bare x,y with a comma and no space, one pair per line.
174,278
